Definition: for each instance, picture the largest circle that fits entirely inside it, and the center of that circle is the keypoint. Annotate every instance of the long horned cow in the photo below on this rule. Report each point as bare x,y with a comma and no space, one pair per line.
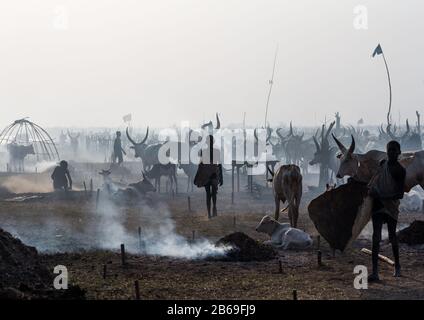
210,127
363,167
149,154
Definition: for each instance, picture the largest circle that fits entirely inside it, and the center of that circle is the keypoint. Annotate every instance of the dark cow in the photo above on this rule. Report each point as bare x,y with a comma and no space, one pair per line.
159,170
17,154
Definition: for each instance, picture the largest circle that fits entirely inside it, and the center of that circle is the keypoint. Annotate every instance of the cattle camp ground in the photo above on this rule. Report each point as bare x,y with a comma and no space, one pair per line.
86,239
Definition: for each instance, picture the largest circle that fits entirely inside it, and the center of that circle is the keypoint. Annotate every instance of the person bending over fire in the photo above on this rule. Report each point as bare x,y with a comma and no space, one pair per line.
386,188
209,174
61,178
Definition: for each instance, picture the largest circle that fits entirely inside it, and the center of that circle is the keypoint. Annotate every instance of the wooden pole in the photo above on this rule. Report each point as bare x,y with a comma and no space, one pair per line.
123,254
380,256
189,203
139,239
271,82
238,179
91,185
104,271
232,177
234,221
280,266
193,233
294,294
390,88
137,290
97,198
319,256
85,188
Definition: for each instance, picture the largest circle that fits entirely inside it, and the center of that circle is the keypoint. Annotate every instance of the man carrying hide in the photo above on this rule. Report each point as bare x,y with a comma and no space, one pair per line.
386,188
209,174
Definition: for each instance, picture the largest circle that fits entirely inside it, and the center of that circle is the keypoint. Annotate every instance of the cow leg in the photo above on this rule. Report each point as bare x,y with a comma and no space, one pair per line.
290,214
176,182
277,207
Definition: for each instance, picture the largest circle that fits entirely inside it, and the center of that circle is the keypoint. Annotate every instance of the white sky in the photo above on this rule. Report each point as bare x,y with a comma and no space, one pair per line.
166,61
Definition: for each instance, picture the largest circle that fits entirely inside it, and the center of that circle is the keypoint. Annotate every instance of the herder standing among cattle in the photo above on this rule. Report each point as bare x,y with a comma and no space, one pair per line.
117,149
61,178
386,188
209,174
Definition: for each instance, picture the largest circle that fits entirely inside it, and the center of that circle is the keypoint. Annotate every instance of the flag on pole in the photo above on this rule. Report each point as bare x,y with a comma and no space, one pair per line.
377,51
127,118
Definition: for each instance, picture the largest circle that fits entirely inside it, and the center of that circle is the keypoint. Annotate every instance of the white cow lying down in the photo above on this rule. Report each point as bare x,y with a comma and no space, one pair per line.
283,236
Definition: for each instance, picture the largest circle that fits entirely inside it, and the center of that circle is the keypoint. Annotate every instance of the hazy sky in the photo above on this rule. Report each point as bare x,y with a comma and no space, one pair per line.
88,63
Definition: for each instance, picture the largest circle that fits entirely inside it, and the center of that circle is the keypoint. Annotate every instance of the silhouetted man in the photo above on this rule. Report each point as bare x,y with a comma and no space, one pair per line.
386,188
209,174
61,178
117,149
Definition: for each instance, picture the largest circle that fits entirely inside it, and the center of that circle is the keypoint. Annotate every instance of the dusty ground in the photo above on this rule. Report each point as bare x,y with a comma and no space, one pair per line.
169,278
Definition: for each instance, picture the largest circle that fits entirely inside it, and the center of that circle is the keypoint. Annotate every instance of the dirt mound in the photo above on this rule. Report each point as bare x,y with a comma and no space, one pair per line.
24,276
414,234
245,248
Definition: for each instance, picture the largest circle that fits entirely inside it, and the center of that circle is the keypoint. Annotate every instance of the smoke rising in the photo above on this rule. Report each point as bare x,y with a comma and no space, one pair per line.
106,228
159,237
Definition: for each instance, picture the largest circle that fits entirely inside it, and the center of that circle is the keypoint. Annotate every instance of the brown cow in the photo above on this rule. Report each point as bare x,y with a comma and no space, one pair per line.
287,186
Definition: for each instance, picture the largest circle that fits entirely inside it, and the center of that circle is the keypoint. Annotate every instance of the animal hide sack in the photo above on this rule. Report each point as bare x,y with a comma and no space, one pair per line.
340,214
204,174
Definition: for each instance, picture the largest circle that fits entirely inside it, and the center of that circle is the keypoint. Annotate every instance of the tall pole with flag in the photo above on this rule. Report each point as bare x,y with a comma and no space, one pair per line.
379,51
271,82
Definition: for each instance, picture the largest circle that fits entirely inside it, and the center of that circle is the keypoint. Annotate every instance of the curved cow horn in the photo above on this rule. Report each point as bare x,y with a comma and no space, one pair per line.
145,138
206,125
339,144
279,134
329,129
255,134
130,139
316,143
218,123
352,145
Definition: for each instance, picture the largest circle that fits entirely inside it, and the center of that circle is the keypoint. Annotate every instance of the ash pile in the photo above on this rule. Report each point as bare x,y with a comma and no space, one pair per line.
24,276
412,235
245,248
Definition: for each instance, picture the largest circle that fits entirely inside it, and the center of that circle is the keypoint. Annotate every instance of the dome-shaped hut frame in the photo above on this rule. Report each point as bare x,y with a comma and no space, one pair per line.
25,132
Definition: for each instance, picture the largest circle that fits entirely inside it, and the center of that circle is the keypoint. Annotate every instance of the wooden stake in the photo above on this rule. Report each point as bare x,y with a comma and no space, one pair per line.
294,294
189,204
91,185
193,232
380,256
280,267
97,198
123,254
85,189
137,290
319,256
104,271
139,238
318,242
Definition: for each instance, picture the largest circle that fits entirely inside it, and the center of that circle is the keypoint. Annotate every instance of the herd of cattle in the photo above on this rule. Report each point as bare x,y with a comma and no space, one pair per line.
303,148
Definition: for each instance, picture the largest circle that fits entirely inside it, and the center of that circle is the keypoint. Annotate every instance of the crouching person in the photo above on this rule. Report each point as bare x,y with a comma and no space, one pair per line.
283,236
61,178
